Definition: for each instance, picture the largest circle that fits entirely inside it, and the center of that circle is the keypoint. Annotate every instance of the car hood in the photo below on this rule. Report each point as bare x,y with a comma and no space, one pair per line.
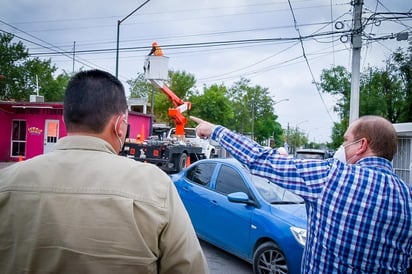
294,214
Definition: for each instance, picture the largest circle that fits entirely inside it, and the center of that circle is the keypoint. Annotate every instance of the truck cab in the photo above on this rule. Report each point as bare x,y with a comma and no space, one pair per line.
192,138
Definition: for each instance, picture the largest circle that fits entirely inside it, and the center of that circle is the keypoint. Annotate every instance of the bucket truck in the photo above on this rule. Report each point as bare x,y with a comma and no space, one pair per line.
173,153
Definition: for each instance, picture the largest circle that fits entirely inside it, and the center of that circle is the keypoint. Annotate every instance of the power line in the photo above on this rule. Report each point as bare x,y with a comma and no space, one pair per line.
307,62
50,47
199,44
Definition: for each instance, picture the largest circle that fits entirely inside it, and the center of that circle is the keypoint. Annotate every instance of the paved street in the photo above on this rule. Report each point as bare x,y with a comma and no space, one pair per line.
221,262
5,164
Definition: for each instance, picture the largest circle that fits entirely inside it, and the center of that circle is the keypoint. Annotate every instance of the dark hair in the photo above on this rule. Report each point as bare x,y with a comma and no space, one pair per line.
380,133
92,97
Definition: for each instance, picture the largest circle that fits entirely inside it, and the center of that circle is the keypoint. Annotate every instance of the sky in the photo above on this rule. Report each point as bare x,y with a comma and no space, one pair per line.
219,42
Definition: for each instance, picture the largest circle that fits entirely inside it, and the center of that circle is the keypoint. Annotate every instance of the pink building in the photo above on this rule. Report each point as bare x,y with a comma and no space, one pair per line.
30,129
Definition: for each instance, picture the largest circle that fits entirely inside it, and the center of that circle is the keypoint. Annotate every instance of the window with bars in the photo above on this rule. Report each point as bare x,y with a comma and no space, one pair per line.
402,159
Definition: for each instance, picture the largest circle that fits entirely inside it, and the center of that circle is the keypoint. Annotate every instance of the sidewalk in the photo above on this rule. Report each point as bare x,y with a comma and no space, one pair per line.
6,164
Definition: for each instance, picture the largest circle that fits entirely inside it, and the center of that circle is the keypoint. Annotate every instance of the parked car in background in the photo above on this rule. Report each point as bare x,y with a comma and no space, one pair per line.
309,153
243,214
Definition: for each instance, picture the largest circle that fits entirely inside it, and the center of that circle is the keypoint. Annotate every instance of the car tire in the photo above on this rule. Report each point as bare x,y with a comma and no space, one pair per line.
268,258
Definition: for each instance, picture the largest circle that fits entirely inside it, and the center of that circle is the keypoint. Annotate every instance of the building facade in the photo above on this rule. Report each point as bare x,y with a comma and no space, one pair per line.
28,129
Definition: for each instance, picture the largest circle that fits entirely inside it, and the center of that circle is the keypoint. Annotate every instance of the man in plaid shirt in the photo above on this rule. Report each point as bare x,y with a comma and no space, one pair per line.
359,210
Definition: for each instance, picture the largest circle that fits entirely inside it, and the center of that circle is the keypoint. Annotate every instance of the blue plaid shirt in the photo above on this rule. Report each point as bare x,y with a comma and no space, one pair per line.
360,216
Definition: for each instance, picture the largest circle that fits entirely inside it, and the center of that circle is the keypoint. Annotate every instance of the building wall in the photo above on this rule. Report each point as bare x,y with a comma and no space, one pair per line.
36,117
5,133
35,130
140,124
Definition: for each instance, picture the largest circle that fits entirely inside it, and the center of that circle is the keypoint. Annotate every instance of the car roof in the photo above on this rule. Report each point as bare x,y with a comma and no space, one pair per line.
222,160
230,160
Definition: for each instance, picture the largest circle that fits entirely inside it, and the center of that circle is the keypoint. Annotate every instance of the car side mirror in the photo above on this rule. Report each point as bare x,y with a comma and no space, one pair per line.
238,197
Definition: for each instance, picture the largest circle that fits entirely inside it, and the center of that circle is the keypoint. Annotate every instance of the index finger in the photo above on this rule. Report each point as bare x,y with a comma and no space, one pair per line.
195,119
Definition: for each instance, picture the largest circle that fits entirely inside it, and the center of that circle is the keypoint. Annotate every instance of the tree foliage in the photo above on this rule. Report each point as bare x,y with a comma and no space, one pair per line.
140,87
213,105
402,68
21,74
254,109
242,107
383,91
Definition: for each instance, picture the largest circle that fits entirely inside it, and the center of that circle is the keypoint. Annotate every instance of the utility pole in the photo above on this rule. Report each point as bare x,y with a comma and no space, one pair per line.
356,51
74,55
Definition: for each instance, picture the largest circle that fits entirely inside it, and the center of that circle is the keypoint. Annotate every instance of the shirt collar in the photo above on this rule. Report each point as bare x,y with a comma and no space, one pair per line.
376,163
84,143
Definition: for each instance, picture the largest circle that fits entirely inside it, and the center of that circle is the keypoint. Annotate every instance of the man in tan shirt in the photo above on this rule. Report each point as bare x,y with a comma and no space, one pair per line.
84,209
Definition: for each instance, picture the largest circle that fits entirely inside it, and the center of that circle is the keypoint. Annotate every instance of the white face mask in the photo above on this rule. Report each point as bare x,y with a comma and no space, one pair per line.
340,153
117,135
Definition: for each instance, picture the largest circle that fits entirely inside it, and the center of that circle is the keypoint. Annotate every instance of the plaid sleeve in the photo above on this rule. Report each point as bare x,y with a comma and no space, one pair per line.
304,177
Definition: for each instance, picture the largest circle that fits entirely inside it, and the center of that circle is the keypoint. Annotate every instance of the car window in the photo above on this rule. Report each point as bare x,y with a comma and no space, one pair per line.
190,133
229,181
201,173
273,193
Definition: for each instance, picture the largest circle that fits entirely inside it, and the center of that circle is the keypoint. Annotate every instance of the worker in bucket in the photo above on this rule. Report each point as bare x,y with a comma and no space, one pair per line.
156,50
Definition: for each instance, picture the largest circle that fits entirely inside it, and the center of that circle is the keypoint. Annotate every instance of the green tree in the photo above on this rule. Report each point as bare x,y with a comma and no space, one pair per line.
22,73
383,91
296,139
140,87
237,94
180,83
254,111
401,66
213,105
381,94
336,81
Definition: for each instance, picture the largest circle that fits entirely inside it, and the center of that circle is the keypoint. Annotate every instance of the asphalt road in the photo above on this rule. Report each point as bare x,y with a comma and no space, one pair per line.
221,262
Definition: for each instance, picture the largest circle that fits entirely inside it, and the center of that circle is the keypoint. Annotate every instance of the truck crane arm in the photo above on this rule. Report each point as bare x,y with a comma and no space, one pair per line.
180,106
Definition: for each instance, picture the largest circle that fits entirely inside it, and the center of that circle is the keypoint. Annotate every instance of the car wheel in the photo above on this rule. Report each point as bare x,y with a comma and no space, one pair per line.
268,258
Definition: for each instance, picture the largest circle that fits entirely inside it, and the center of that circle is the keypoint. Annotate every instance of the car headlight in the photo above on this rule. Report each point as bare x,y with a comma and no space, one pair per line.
299,234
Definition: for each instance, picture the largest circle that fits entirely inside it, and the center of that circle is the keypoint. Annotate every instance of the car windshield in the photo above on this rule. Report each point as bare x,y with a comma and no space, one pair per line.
274,194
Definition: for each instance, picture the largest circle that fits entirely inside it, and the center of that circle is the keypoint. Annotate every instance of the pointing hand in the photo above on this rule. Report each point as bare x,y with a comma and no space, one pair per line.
204,129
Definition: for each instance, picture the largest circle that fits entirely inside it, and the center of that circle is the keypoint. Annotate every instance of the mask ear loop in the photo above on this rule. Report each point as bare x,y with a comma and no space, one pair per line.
117,135
360,140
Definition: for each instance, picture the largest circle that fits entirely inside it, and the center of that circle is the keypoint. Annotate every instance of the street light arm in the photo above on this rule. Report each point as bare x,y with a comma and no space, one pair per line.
130,14
118,31
280,101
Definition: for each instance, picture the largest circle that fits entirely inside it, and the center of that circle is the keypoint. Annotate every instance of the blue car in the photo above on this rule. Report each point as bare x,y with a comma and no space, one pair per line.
245,215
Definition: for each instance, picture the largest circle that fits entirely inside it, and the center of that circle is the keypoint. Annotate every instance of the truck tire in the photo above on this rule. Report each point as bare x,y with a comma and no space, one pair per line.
181,162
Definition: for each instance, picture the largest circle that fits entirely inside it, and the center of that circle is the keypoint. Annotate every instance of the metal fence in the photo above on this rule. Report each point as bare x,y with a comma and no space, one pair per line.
402,161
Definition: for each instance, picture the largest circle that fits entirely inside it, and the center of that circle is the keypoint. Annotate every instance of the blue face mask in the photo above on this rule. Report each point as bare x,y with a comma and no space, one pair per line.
340,153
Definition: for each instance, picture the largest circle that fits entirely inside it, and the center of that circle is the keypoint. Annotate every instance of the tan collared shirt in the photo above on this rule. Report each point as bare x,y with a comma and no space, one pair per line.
84,209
